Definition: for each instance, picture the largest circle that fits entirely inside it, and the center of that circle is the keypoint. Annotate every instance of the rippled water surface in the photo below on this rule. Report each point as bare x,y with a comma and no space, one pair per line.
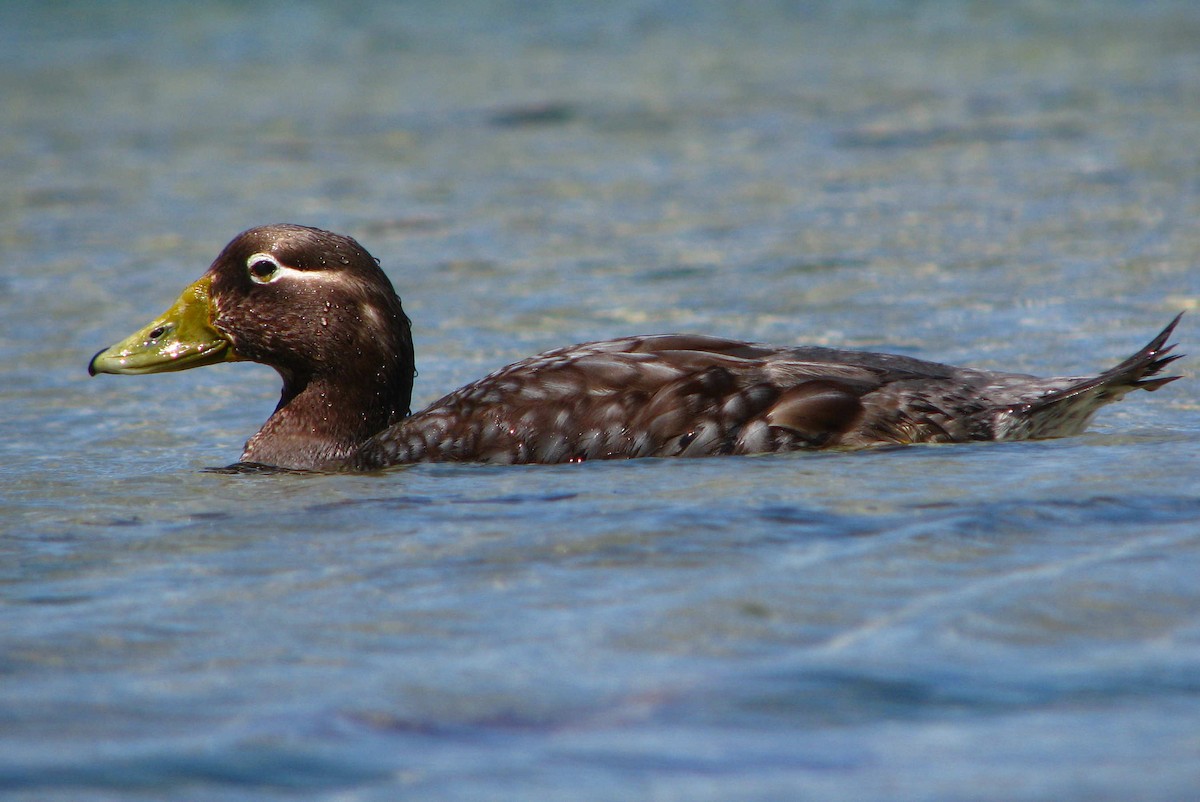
1009,185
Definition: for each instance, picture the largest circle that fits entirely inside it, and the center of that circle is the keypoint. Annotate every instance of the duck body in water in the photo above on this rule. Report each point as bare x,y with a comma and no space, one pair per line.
315,306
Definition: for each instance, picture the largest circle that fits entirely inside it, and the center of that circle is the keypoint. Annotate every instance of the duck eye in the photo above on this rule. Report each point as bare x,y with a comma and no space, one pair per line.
262,268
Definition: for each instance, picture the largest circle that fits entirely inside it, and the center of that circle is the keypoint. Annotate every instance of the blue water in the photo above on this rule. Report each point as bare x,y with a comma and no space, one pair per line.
1007,185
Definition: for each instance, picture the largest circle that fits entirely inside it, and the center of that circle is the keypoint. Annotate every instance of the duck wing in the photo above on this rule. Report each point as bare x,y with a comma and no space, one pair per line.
683,395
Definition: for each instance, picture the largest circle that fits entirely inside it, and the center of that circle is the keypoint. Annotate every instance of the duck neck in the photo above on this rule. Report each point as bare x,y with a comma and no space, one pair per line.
322,419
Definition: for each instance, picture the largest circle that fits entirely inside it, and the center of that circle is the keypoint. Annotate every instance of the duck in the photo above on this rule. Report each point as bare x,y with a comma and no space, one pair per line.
317,307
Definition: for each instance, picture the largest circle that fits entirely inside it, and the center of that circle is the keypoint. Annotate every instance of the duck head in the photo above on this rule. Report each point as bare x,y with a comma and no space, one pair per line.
312,304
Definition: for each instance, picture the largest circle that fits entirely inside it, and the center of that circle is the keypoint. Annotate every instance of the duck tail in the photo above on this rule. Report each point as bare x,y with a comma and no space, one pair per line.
1066,411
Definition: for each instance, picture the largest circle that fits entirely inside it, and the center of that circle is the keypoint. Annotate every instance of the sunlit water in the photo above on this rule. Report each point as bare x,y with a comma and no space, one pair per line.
1009,185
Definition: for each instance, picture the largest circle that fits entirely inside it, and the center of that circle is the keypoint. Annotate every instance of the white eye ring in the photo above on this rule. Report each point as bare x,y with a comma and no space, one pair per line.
263,268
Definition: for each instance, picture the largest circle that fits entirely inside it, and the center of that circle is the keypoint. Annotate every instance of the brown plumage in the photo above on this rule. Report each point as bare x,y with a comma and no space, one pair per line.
315,306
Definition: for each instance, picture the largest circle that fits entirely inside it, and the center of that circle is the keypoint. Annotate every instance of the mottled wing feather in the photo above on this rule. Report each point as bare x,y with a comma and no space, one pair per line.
816,411
669,395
